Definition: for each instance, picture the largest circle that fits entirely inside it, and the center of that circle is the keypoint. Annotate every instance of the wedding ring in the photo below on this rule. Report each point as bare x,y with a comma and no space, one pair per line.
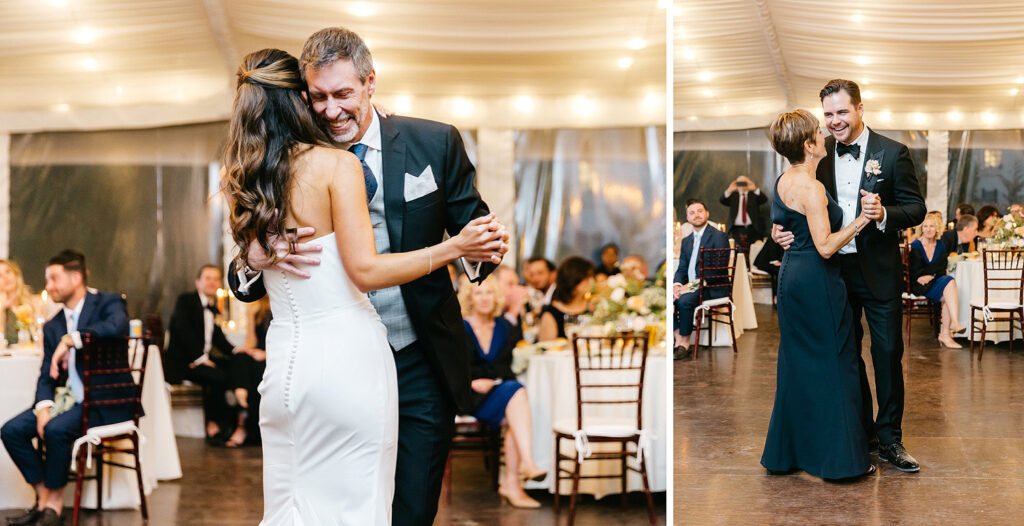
292,234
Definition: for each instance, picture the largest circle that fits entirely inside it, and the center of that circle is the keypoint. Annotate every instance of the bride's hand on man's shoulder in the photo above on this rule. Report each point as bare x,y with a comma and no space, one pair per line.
382,110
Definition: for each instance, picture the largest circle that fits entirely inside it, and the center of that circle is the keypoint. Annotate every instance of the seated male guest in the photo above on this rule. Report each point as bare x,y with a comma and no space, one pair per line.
769,259
690,264
744,200
961,239
199,352
540,276
101,314
514,293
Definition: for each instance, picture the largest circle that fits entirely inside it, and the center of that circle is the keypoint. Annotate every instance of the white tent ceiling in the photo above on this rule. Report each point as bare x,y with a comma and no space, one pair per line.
76,64
935,64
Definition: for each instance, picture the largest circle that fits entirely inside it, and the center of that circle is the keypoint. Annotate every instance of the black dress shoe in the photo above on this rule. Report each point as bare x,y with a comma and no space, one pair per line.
681,353
775,473
30,517
49,518
873,445
896,455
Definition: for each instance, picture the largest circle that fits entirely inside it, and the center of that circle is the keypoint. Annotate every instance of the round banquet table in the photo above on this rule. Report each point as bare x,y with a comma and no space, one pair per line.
550,382
970,284
19,370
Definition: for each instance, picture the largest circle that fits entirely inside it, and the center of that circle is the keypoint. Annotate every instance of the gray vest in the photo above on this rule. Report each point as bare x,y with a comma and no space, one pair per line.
389,302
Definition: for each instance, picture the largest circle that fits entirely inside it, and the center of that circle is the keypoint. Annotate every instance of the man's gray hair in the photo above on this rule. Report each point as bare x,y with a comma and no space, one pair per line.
329,45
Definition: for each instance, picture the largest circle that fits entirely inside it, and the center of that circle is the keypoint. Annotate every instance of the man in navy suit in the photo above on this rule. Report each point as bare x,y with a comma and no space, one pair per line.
689,270
420,184
102,314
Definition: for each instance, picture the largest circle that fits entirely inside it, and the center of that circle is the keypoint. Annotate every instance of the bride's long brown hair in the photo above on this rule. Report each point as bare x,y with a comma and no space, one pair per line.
269,122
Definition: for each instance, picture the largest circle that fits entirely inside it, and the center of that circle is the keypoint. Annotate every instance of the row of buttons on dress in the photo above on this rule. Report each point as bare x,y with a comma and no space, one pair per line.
295,343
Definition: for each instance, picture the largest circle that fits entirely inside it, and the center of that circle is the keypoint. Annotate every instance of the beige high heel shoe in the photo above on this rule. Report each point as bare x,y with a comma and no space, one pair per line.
950,343
517,501
536,474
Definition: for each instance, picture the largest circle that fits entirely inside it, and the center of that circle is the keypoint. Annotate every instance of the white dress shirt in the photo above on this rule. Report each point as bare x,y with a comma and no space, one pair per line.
691,268
71,317
744,196
848,173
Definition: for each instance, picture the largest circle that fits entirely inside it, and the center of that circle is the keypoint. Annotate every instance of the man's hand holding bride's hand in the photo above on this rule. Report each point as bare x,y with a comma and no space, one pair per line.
783,237
289,252
871,206
482,239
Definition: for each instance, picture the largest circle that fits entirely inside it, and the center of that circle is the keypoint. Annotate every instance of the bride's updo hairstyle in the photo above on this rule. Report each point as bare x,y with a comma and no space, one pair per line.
790,131
269,121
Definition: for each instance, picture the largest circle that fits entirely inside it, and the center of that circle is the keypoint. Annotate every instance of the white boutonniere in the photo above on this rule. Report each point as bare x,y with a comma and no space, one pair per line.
872,167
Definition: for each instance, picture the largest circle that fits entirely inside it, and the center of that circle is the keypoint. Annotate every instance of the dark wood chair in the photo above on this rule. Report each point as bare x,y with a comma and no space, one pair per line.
1003,272
114,372
609,370
717,271
473,439
914,306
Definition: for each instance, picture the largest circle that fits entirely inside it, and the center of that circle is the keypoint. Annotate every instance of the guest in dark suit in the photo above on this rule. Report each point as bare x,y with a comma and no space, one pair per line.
199,352
101,314
428,190
690,264
744,200
963,209
961,239
497,395
867,171
769,259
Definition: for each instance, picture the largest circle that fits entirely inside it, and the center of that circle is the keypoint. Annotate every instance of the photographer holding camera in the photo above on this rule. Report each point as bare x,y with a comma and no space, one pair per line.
744,200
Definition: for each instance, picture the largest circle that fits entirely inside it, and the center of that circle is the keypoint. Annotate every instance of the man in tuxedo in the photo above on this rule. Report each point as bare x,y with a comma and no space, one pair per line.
690,264
101,314
421,185
199,352
867,171
961,238
744,200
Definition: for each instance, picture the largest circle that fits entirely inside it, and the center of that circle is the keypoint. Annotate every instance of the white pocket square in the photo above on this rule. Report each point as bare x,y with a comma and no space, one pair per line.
417,187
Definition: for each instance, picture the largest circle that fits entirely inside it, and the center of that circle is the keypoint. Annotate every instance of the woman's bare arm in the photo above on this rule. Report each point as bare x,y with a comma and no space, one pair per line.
815,205
354,235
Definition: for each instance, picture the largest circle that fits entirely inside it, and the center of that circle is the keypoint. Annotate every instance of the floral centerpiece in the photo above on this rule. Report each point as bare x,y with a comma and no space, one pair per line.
1007,233
621,303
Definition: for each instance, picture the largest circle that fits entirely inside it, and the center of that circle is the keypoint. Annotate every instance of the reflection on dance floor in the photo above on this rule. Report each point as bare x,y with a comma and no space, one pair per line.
964,421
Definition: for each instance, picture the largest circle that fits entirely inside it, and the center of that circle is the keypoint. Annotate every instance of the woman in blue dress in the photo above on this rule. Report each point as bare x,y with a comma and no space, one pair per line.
816,420
927,261
499,396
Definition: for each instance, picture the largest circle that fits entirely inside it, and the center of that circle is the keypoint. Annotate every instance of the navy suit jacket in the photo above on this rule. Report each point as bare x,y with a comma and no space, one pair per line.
712,238
104,315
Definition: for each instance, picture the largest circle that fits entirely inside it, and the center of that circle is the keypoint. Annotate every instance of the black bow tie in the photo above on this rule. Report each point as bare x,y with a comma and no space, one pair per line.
213,308
852,149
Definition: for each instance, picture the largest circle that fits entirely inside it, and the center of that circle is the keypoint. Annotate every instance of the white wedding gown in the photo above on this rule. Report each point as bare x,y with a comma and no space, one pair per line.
329,415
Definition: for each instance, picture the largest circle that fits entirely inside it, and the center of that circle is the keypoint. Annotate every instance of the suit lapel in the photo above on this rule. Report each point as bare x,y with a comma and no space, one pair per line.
827,168
393,166
88,309
873,152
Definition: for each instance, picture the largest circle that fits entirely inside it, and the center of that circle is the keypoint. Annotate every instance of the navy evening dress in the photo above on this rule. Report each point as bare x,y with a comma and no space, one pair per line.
494,363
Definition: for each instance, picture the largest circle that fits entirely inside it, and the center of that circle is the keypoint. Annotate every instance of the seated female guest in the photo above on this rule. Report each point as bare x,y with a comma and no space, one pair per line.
927,262
15,298
572,285
498,395
247,371
987,217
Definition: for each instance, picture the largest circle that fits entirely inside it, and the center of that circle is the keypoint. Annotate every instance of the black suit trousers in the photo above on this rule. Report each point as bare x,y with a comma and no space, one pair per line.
426,424
884,322
215,381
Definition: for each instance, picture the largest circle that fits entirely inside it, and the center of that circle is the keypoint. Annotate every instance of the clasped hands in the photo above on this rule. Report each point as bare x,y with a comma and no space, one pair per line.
487,237
870,207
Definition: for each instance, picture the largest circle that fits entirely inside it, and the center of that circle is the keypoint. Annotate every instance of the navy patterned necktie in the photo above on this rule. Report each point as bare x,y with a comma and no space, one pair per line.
368,179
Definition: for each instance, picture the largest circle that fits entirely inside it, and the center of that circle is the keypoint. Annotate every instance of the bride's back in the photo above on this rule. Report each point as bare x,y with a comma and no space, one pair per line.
309,196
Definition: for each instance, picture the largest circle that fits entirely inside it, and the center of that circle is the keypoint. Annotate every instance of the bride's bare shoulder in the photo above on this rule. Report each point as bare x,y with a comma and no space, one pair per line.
326,159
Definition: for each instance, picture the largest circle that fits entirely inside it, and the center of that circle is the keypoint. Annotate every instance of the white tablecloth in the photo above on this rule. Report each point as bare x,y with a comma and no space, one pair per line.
970,284
551,387
159,451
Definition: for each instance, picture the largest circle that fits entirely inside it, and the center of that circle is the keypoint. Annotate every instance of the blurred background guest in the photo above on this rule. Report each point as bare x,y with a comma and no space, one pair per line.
635,267
574,278
540,277
987,217
927,261
963,209
247,372
1017,210
199,352
499,396
609,264
769,259
16,299
513,293
744,200
960,240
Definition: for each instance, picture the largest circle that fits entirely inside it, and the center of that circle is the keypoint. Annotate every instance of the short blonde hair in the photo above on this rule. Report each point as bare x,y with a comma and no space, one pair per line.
466,297
790,131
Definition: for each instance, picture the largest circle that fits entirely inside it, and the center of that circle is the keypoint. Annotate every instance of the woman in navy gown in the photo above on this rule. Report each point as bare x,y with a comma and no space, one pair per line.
816,421
499,396
927,261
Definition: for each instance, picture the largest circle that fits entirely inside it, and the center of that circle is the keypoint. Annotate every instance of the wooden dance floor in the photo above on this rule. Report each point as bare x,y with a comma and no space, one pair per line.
963,420
223,487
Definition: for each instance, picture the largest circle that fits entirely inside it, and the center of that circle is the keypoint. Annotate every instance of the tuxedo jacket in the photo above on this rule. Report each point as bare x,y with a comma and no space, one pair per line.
104,315
187,333
951,241
409,146
879,252
754,202
712,238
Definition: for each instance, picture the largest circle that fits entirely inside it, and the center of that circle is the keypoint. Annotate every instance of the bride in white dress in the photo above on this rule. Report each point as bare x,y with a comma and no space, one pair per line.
330,401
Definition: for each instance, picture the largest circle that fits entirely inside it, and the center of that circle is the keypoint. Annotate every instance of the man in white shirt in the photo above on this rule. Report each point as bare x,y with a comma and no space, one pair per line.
744,200
101,314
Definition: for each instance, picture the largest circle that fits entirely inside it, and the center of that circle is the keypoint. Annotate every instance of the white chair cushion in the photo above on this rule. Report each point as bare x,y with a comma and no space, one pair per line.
758,272
112,430
464,419
915,297
599,427
998,305
716,302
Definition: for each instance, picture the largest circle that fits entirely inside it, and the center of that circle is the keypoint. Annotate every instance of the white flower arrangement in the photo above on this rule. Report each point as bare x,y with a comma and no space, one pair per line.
872,167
